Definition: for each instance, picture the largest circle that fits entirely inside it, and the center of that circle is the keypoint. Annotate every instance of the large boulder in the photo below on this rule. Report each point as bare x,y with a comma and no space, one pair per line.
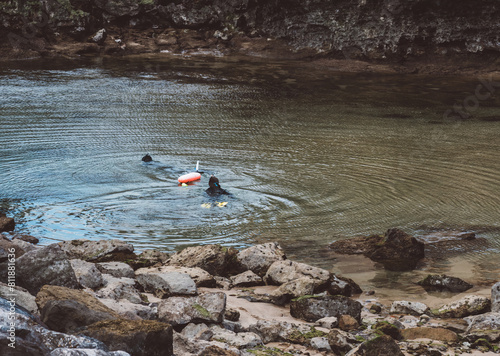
440,334
87,274
467,306
285,271
32,338
164,285
279,331
296,288
200,277
137,337
259,258
317,307
340,341
204,308
6,223
98,251
45,266
442,282
381,345
215,259
343,286
131,311
485,326
239,340
119,288
64,309
495,298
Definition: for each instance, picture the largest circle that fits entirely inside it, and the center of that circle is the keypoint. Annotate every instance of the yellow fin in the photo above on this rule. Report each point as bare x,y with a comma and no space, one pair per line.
221,204
206,205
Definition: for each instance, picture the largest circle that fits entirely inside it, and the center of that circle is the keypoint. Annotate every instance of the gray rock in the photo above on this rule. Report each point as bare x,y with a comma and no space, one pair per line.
240,340
197,331
381,345
343,286
215,259
320,343
86,352
278,331
495,298
119,288
259,258
164,285
285,271
223,282
132,311
98,251
442,282
63,309
87,274
201,277
27,238
187,346
100,36
328,322
412,308
116,269
246,279
23,245
487,321
206,307
314,308
296,288
33,338
340,341
22,296
45,266
467,306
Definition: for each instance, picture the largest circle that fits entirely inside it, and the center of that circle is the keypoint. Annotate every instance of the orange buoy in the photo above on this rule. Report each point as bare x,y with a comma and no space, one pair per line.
190,177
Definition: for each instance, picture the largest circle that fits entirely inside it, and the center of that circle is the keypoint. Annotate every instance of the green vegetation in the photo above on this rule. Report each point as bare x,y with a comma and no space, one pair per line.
297,337
306,297
205,313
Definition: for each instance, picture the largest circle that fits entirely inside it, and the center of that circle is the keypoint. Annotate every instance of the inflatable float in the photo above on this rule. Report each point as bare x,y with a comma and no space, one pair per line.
190,177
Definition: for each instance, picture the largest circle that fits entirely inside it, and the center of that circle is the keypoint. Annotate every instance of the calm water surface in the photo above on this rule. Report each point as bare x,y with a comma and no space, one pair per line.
310,156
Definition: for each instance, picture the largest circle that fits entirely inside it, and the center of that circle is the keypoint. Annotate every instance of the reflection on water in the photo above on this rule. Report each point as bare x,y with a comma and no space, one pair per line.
310,155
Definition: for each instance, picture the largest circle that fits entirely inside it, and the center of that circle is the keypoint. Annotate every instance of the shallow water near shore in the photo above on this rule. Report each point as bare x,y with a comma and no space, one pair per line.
310,155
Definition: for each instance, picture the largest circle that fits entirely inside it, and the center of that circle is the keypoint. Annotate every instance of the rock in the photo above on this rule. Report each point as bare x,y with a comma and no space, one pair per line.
32,338
86,352
119,288
116,269
240,340
285,271
329,322
197,331
206,307
63,309
137,337
293,289
45,266
412,308
214,259
246,279
164,285
343,286
347,323
22,245
482,322
468,305
188,346
201,277
87,274
388,329
27,238
443,282
223,283
6,223
340,341
396,250
7,249
98,251
131,311
320,343
23,298
99,37
149,258
495,298
439,334
259,258
280,331
381,345
314,308
232,315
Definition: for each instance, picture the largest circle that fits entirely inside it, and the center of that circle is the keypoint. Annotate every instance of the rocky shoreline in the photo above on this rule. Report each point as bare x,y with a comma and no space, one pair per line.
85,297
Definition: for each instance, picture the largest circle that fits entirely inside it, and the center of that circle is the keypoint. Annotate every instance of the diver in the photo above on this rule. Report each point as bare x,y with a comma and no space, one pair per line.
147,158
214,187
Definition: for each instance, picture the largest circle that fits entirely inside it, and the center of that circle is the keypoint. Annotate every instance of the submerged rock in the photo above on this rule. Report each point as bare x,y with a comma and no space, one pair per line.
442,282
137,337
317,307
6,223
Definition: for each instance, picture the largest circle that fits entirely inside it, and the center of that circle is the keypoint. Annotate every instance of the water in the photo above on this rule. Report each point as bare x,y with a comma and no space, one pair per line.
310,155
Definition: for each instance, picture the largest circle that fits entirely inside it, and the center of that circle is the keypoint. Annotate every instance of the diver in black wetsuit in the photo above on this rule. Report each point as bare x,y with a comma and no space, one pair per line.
215,188
147,158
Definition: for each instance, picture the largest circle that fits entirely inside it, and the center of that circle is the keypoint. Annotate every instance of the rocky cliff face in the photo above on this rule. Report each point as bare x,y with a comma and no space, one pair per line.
362,29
